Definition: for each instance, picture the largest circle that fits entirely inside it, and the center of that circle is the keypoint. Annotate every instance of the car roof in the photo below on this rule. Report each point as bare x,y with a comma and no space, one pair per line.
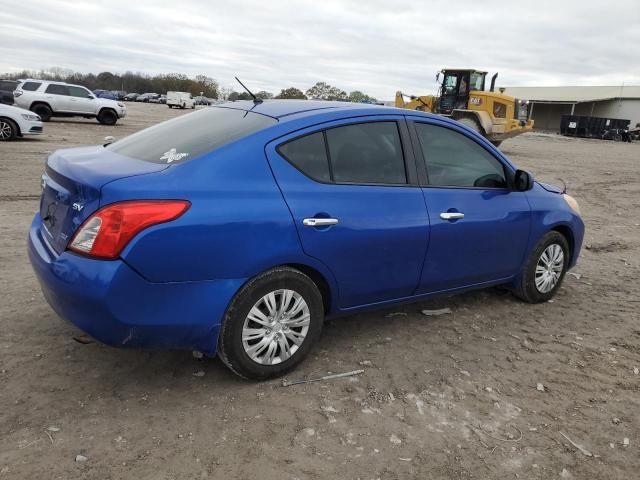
284,108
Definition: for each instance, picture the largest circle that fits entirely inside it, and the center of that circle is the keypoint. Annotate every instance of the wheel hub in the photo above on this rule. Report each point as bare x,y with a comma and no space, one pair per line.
549,268
276,327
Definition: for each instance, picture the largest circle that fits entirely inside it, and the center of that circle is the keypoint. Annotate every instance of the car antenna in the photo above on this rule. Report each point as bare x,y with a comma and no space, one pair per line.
255,99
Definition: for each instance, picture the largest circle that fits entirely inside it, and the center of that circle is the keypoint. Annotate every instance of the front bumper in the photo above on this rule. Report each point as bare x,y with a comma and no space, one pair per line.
114,304
30,127
122,112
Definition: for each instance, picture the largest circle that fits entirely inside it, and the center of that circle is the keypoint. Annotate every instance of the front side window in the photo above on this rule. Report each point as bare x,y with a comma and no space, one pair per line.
477,81
454,160
78,92
30,86
366,153
188,136
57,89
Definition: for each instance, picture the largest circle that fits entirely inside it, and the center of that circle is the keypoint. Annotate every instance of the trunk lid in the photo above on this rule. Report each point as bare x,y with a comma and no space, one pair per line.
71,187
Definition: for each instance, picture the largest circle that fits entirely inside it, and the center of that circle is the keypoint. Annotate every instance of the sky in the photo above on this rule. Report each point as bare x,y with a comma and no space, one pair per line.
374,46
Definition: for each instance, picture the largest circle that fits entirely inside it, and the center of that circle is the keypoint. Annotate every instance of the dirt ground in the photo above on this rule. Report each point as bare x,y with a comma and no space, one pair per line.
452,396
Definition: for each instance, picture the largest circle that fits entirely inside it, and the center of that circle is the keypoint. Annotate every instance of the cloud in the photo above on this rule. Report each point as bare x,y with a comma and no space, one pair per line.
376,46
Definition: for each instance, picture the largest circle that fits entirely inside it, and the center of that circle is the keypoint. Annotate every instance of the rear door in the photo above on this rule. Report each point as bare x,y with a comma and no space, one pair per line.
58,97
352,190
479,226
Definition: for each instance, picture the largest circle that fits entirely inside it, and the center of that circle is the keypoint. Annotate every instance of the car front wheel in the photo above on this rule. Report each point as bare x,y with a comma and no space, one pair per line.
107,117
271,325
8,129
545,269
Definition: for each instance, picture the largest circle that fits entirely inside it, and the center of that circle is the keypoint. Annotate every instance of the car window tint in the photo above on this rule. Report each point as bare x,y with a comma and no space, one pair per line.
454,160
188,136
30,86
367,153
309,155
78,92
57,89
7,85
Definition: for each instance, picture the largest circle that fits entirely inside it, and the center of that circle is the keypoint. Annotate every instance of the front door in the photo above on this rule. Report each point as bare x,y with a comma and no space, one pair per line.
479,226
81,100
356,205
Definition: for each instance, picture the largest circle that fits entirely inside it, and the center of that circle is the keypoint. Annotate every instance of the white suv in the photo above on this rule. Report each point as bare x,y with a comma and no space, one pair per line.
58,99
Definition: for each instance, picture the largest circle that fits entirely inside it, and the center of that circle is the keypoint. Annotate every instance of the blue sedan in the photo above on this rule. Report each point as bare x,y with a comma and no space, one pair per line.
239,228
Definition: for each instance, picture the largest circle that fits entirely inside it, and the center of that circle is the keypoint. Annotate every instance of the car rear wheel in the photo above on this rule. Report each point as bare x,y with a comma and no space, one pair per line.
107,117
43,111
8,130
545,269
271,324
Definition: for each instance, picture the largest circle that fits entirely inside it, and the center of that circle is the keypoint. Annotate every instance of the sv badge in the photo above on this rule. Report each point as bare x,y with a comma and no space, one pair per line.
77,206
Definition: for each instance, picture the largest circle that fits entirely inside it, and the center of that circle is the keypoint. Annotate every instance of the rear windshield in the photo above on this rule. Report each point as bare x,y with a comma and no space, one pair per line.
190,135
8,85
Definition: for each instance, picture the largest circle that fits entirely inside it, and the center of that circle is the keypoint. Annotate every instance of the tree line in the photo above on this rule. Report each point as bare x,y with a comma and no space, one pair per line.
198,85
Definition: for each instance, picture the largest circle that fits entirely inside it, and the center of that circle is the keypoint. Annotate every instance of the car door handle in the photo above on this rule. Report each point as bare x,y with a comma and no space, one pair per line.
319,222
451,215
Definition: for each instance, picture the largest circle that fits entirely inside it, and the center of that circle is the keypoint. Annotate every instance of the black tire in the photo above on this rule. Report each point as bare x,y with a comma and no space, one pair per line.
169,106
230,343
472,124
526,288
107,117
497,143
8,130
43,111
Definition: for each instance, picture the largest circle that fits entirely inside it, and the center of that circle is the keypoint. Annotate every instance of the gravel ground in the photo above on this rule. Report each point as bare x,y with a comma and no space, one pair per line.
452,396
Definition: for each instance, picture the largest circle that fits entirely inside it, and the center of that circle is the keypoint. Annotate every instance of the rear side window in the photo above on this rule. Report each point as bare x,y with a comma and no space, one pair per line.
30,86
188,136
309,155
57,89
363,153
367,153
454,160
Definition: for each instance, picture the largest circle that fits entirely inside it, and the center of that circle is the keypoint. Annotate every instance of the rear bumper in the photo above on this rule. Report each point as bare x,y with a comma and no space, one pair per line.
114,304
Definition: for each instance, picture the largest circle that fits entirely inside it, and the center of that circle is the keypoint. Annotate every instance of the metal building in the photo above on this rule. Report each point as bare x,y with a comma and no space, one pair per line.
548,104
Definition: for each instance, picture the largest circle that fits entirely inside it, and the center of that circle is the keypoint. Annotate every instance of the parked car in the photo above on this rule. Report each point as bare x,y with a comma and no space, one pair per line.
18,122
6,91
58,99
200,100
105,94
238,229
131,97
119,94
158,99
180,100
147,97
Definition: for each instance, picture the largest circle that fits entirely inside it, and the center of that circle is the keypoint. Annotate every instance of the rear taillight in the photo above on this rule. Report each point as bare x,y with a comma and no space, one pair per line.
17,93
105,233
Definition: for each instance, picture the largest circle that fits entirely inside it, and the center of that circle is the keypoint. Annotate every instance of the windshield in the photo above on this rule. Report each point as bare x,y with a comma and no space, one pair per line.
190,135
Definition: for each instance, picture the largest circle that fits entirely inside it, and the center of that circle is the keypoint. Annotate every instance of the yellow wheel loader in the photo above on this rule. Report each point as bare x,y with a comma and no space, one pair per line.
462,97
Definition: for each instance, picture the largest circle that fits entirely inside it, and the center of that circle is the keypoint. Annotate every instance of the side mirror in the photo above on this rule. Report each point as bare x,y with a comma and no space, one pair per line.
522,181
91,96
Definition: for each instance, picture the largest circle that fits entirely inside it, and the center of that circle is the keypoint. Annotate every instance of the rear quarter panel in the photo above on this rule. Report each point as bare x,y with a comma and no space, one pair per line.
238,224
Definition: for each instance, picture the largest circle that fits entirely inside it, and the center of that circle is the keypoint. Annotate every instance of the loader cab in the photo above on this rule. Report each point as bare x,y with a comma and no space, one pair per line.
455,88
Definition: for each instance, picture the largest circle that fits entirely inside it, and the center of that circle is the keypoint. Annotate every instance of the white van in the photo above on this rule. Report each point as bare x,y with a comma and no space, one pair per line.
180,99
